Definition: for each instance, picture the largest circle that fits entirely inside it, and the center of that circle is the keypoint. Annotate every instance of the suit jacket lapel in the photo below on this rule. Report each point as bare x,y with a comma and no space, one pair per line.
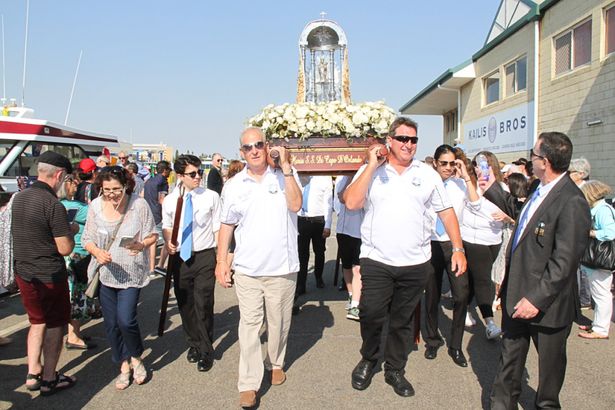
546,203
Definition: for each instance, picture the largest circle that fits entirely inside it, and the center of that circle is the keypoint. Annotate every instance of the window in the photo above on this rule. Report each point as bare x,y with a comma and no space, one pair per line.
516,76
610,30
491,86
25,164
573,48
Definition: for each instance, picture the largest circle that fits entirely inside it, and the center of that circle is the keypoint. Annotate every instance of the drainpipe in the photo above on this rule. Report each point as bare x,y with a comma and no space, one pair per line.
458,91
536,76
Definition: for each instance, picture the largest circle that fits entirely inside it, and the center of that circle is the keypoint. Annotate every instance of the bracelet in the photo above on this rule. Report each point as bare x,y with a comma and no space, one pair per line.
290,174
221,261
467,180
459,250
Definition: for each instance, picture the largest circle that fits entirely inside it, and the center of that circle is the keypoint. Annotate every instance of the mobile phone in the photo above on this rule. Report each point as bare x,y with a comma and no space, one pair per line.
71,213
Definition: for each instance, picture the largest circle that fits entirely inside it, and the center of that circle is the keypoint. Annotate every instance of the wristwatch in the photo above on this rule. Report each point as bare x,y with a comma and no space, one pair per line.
290,174
459,250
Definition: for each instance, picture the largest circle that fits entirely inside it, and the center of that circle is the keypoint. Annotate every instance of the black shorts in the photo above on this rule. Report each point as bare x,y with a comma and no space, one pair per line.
350,248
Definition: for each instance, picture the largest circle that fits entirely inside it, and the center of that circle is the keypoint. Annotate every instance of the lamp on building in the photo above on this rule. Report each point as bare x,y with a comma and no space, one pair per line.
594,122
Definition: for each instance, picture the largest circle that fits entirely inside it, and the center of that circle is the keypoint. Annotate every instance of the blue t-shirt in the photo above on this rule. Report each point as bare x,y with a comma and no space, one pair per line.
151,193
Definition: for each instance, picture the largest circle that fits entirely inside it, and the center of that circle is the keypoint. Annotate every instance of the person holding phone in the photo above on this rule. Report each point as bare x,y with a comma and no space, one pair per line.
447,167
193,277
124,270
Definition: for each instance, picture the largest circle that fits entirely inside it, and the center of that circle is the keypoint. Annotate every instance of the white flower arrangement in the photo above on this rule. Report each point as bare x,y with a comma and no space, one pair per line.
304,120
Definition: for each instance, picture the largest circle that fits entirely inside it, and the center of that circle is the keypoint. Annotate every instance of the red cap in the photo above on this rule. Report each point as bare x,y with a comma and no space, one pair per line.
87,165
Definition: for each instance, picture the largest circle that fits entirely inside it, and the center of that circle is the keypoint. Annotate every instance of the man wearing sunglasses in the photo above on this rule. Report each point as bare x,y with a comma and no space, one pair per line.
398,194
260,204
214,178
193,278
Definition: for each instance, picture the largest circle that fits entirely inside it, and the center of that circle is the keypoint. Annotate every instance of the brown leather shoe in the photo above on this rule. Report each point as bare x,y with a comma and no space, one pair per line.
277,377
247,398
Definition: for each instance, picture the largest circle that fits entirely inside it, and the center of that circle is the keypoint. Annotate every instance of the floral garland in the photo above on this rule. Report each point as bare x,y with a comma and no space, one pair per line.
304,120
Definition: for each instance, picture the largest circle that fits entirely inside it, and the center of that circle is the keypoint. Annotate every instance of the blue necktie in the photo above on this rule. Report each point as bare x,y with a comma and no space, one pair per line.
306,195
185,251
524,218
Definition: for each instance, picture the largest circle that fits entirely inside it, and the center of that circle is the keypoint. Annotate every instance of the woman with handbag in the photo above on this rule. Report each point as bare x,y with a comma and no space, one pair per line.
600,279
76,265
119,229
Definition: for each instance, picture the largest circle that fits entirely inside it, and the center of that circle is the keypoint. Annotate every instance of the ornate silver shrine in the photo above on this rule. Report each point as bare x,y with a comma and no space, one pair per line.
323,63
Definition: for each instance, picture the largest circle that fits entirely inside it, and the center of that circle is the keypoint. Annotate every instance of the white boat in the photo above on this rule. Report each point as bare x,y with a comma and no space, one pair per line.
23,138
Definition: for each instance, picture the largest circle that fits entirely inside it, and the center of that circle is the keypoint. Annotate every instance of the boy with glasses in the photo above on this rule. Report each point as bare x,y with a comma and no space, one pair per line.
193,278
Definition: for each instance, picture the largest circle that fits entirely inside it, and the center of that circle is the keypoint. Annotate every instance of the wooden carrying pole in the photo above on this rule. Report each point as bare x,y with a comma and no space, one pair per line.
172,265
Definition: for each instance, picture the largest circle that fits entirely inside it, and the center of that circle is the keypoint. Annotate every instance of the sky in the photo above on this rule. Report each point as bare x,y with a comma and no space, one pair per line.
190,73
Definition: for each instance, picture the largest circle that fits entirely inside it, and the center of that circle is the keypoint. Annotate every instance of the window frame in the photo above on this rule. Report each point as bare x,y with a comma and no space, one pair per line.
606,10
484,87
516,89
19,166
570,31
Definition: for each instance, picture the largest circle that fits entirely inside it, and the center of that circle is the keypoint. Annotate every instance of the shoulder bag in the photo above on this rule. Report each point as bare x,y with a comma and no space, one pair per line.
600,254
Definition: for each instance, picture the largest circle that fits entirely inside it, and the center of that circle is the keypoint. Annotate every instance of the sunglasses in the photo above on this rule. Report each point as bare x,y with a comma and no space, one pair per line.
218,160
122,157
248,147
193,174
404,139
115,191
446,163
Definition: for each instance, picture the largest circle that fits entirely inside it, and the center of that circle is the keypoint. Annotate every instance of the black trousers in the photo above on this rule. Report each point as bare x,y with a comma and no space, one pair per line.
480,261
310,229
394,292
441,253
194,282
550,343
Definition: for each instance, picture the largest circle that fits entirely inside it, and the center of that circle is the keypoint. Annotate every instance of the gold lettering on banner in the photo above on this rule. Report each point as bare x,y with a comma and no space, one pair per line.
330,159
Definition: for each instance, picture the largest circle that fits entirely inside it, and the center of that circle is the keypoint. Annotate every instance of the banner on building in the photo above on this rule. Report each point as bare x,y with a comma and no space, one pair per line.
505,131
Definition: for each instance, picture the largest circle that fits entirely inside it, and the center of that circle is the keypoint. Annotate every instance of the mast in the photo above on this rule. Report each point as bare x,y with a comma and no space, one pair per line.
72,91
25,56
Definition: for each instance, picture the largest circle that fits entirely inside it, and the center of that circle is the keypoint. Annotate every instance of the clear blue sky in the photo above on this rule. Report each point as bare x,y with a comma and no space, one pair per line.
190,73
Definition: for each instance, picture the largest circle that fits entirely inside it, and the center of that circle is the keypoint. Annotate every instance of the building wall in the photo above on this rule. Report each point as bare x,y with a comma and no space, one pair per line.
569,101
472,107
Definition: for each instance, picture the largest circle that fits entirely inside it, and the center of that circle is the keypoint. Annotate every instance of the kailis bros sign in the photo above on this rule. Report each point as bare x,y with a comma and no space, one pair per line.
505,131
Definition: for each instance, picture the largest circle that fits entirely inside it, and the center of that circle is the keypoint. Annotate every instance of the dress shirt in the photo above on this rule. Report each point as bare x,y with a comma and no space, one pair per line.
477,224
457,193
544,191
266,230
206,216
320,199
348,222
399,209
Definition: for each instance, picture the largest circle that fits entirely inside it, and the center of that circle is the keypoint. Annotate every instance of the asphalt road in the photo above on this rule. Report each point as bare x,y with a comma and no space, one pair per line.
322,350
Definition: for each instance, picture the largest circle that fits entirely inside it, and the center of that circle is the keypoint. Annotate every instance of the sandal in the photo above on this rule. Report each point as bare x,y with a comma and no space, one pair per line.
33,386
586,328
593,335
139,373
123,380
61,382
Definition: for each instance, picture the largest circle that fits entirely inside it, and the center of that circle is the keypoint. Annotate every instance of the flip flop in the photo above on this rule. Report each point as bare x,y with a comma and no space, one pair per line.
34,386
55,386
586,328
75,346
593,335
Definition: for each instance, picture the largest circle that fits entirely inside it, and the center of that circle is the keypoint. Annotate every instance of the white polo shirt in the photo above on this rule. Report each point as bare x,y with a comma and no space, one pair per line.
266,230
348,222
457,193
206,216
399,214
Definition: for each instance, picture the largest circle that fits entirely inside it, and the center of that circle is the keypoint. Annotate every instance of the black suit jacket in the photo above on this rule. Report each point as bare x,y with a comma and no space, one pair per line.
214,180
543,266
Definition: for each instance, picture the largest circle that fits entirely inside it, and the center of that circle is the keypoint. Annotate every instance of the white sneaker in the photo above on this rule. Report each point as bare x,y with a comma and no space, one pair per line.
470,320
492,331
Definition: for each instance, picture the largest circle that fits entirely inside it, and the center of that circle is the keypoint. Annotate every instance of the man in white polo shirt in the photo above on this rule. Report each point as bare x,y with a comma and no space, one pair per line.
262,203
397,194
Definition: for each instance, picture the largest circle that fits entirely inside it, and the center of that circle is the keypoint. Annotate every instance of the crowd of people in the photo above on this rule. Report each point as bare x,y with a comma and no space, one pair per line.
504,236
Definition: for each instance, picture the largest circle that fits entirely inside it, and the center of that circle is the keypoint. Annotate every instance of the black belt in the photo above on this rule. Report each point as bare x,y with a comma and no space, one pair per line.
313,218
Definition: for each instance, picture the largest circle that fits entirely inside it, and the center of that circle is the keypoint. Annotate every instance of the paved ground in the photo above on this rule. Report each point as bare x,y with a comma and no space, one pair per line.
323,348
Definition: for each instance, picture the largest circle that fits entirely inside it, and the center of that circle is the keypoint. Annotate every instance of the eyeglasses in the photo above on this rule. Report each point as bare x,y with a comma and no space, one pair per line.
122,157
115,169
446,163
114,191
404,139
259,145
193,174
533,154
